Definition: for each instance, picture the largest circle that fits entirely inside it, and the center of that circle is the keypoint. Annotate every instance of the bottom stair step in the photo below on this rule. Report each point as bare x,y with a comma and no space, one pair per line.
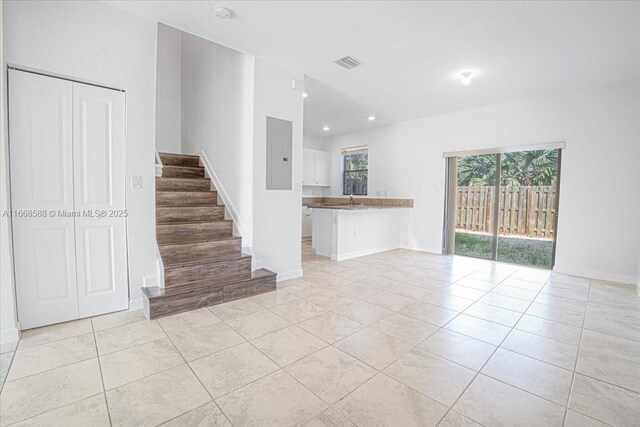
159,302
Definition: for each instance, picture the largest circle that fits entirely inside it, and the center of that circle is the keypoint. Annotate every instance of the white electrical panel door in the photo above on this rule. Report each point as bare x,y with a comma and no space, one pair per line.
279,151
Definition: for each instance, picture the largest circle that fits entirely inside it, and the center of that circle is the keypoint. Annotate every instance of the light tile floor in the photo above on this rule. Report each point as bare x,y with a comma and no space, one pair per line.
399,338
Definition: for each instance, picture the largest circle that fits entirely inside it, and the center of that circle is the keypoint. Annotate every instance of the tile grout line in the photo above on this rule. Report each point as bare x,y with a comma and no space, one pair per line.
576,366
197,378
381,371
104,391
478,372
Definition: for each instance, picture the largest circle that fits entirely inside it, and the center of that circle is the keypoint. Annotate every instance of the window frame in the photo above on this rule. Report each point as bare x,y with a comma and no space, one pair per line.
354,171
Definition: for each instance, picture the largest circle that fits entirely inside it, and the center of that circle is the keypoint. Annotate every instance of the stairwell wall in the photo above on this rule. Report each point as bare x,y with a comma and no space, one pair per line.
168,98
217,119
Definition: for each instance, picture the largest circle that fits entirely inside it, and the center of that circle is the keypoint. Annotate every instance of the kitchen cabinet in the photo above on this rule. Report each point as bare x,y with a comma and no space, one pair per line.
306,222
316,168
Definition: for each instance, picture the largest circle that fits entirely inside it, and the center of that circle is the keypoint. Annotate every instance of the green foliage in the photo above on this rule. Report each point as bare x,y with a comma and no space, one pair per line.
521,168
354,162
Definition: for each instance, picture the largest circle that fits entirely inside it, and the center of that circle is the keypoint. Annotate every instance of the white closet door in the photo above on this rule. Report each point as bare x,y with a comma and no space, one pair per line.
41,153
99,187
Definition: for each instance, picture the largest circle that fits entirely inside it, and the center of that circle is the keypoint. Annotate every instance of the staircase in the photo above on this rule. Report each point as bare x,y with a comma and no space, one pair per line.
203,260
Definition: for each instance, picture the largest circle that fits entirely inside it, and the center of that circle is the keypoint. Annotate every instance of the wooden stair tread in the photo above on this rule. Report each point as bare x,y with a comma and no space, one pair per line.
180,179
187,172
158,292
175,184
213,261
178,167
197,222
203,261
162,153
219,239
190,192
185,207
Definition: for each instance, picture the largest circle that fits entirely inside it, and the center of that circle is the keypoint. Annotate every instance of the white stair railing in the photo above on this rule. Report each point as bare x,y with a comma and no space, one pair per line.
158,164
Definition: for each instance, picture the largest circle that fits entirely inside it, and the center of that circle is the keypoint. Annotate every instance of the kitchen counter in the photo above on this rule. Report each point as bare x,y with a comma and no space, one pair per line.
351,207
357,203
343,230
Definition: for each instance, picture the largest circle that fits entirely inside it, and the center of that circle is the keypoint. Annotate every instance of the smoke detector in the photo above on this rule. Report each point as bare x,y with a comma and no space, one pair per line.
348,62
222,12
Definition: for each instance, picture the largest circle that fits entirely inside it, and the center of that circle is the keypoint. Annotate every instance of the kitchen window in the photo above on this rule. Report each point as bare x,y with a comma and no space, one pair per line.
355,176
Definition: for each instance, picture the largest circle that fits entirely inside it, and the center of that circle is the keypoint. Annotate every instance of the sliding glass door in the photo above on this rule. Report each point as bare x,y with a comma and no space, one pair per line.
474,205
503,206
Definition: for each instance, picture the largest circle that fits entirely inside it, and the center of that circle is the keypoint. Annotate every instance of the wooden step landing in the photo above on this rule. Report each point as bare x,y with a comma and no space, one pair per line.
180,214
166,301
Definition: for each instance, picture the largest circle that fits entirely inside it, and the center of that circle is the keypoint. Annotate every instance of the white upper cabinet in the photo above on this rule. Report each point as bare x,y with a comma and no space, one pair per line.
316,168
307,168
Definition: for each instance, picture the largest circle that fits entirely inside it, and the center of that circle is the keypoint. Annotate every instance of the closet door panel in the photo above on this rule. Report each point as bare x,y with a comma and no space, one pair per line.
41,165
99,159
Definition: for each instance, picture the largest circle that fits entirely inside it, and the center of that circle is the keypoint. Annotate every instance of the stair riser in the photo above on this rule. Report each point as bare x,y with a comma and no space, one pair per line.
164,306
205,251
185,198
181,184
176,160
185,233
166,215
159,307
241,290
181,172
191,273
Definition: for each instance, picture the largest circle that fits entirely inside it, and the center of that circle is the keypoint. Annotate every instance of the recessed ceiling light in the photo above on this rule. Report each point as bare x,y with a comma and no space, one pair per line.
305,94
326,128
222,12
466,77
371,118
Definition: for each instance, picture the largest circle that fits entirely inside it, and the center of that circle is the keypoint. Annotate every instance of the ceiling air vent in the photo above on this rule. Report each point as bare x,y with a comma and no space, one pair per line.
348,62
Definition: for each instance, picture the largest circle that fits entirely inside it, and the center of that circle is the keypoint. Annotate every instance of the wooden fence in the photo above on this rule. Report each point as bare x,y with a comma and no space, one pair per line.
524,211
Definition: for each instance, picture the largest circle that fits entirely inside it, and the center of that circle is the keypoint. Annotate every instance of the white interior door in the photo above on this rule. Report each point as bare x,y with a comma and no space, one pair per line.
99,188
67,151
41,153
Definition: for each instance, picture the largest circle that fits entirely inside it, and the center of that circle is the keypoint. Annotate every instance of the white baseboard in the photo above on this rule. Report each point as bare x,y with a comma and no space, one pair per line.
598,275
355,254
10,335
289,275
136,304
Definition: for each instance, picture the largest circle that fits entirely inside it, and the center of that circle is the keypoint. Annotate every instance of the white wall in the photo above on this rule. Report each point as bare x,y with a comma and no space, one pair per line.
168,110
315,142
101,44
276,226
599,213
8,329
217,118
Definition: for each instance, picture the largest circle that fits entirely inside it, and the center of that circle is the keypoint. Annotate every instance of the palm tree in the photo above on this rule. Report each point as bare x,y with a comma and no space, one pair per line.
524,168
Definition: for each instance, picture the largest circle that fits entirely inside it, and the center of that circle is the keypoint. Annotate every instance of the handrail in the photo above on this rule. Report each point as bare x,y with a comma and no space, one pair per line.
158,164
159,264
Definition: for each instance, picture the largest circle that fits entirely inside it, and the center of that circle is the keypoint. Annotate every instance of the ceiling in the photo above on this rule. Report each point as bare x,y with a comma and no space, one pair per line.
414,52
